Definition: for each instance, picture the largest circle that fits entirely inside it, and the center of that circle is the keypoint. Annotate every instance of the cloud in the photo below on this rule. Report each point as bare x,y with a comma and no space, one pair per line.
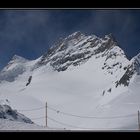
18,23
31,32
106,21
18,28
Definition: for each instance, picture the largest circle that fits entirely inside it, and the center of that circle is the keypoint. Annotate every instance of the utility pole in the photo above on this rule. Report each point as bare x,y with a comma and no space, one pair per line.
46,114
139,120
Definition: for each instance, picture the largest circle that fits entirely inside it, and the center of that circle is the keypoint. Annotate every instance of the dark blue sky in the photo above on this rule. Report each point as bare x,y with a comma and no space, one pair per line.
29,33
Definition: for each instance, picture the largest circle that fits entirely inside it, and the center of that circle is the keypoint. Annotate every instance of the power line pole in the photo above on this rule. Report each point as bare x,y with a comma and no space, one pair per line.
139,120
46,114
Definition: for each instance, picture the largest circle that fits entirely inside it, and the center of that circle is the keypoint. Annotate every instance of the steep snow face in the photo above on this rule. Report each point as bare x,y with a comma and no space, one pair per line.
6,112
74,50
7,125
14,62
77,49
132,70
14,68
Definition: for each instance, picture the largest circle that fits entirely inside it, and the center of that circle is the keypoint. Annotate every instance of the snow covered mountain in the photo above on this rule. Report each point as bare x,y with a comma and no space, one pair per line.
13,69
7,125
6,112
79,76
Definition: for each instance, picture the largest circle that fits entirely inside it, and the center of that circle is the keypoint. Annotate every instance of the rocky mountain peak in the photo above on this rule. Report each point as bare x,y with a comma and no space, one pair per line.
78,48
15,67
76,35
136,63
6,112
111,39
18,58
74,50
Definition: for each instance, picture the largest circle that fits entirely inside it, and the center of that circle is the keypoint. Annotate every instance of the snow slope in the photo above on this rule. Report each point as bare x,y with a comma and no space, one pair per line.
6,112
87,82
14,125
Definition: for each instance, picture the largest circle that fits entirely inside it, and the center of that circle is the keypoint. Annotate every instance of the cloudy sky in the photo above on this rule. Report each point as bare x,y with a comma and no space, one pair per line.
29,33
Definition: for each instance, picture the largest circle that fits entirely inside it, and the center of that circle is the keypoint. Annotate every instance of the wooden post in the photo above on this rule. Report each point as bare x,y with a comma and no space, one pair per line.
46,114
139,120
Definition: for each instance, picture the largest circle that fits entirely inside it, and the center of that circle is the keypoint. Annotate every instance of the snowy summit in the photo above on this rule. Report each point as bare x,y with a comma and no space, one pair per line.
87,82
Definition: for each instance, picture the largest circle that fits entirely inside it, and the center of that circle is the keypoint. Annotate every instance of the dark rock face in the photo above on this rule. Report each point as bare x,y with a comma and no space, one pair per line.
137,64
29,80
126,77
105,46
109,90
72,60
6,112
132,69
76,49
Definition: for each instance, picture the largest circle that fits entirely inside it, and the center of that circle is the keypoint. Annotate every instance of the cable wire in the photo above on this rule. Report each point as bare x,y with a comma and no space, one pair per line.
75,115
73,126
37,118
62,123
95,117
32,109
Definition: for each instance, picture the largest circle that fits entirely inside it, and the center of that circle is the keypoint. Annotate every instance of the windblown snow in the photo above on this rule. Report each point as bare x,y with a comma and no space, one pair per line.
87,82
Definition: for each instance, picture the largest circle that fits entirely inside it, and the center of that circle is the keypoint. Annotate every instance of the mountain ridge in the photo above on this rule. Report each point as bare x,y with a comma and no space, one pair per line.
73,50
83,76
